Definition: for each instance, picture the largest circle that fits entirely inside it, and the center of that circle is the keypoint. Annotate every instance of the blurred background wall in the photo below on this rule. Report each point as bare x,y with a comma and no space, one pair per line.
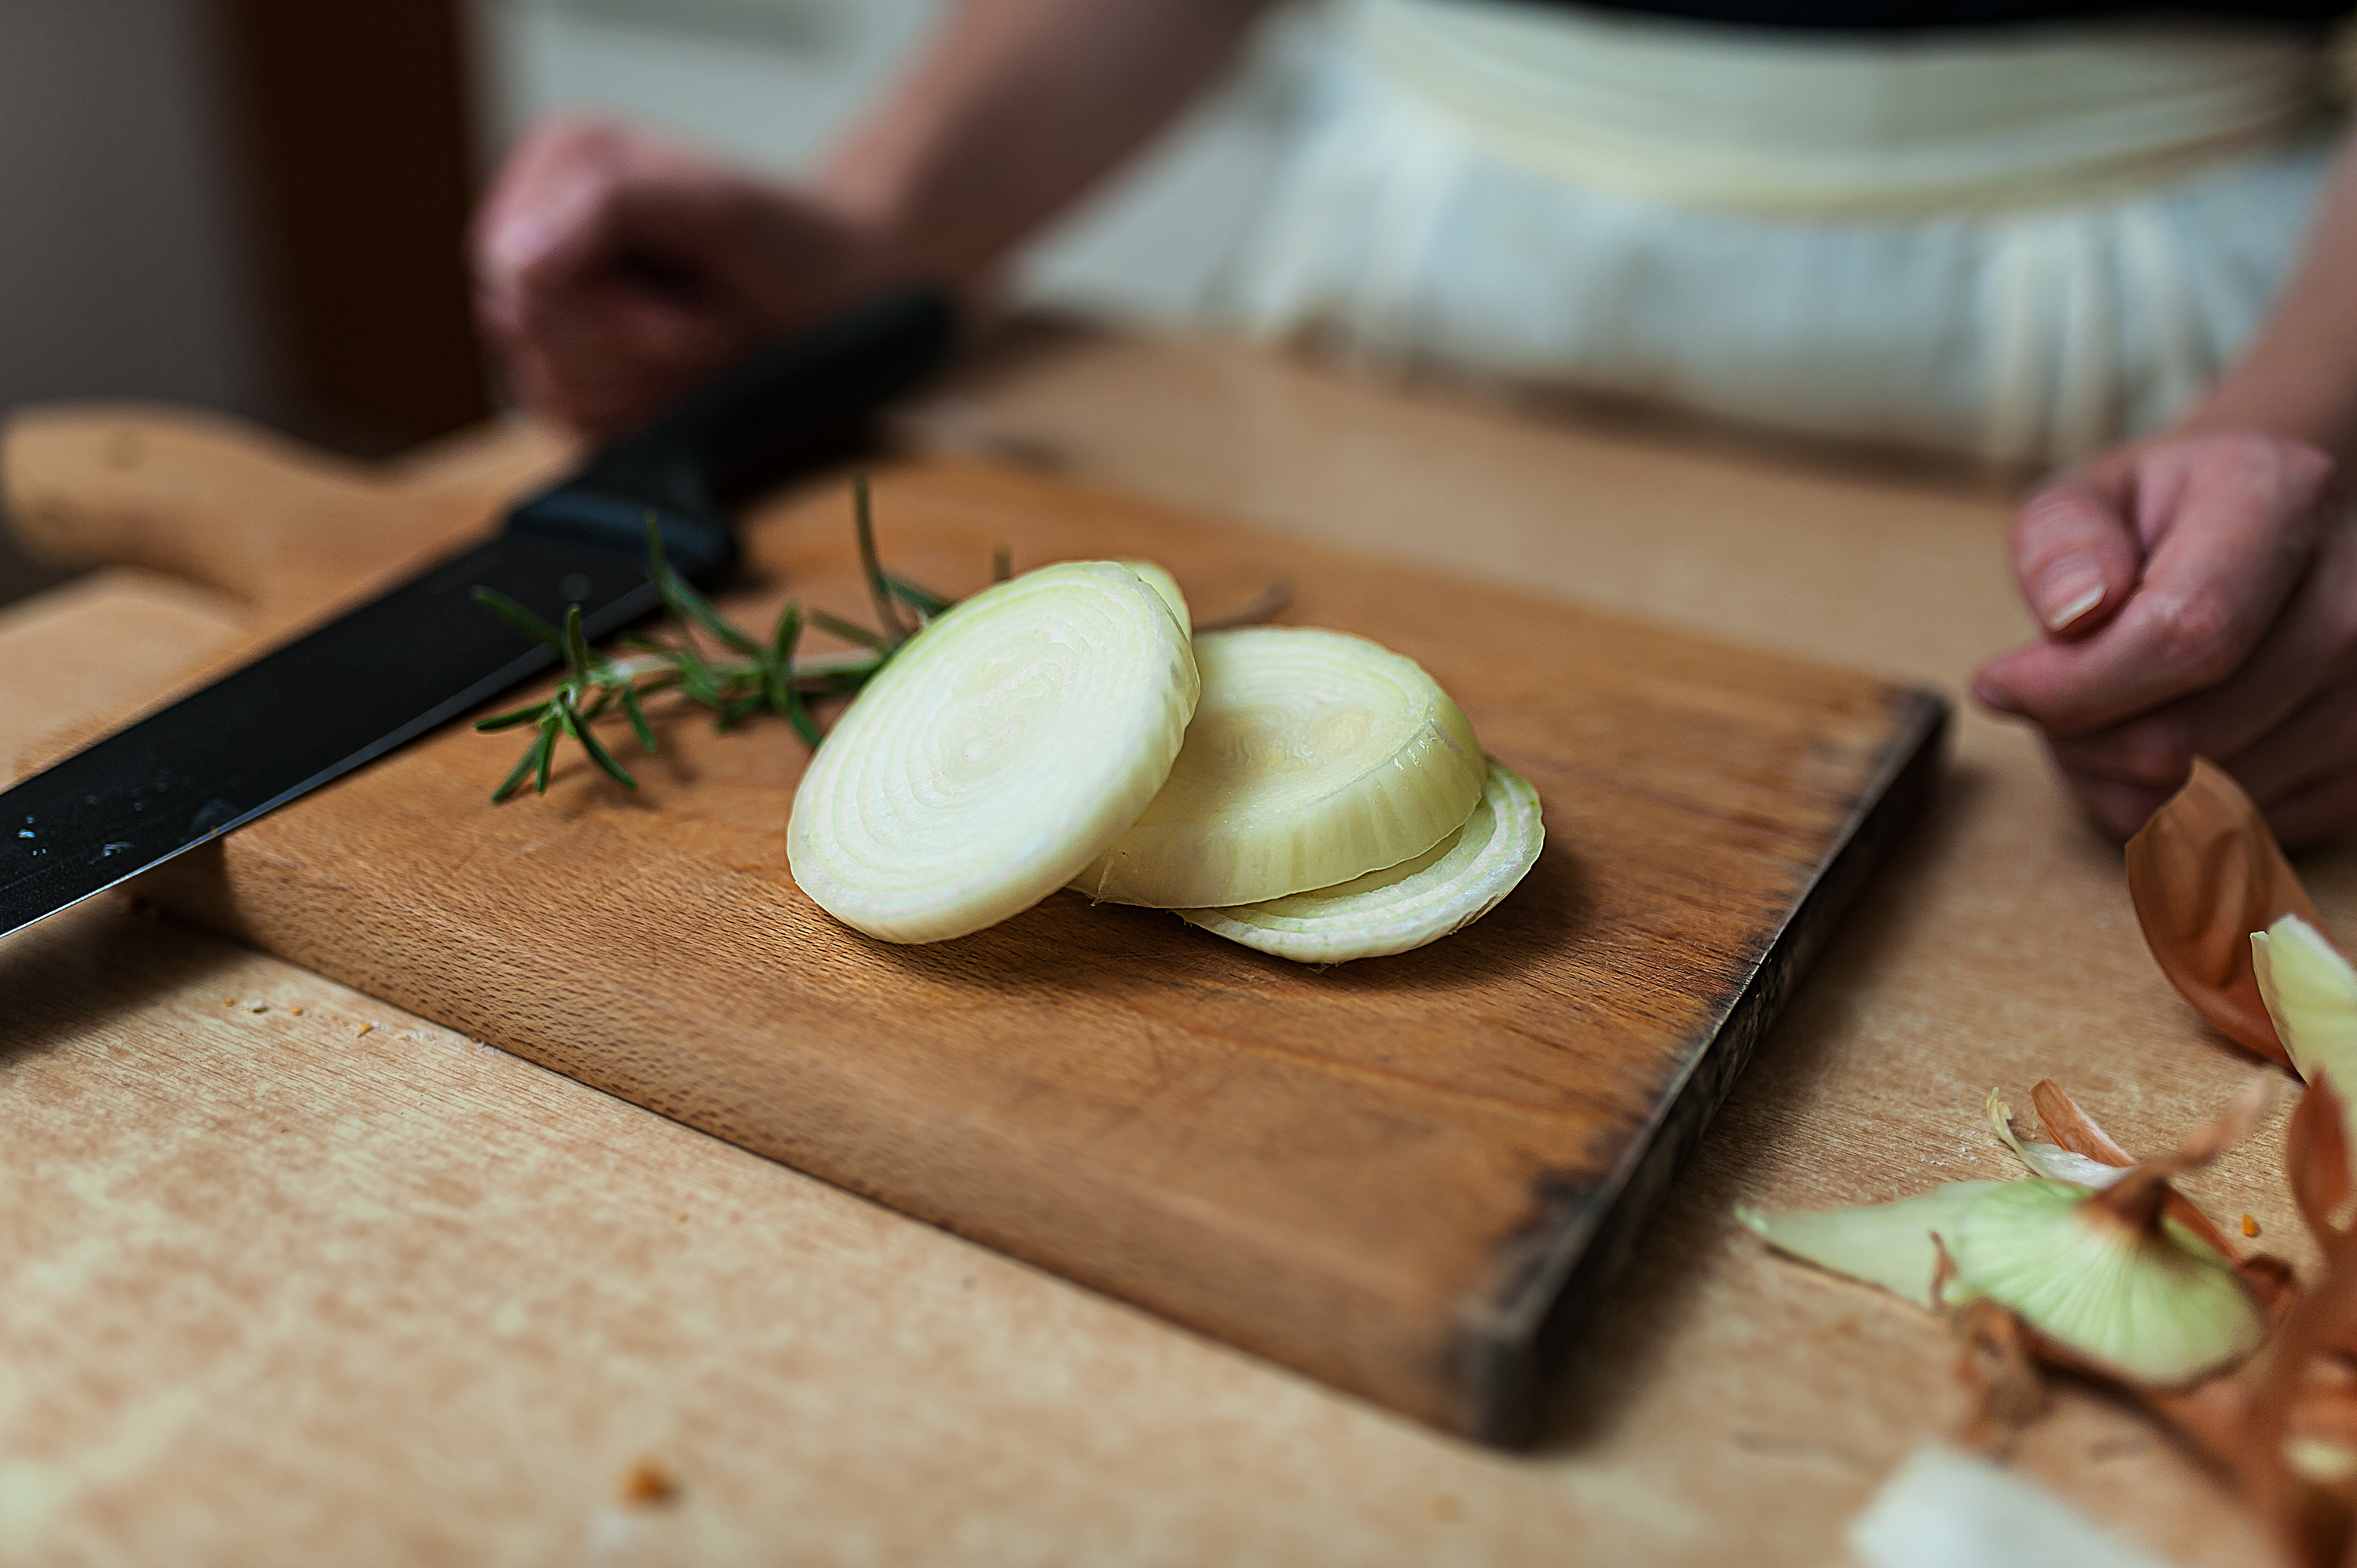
122,261
248,204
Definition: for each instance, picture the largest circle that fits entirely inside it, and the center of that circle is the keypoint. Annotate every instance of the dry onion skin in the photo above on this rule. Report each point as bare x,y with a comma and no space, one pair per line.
1420,901
1004,746
2205,873
2107,1278
1314,756
2151,1304
2050,1159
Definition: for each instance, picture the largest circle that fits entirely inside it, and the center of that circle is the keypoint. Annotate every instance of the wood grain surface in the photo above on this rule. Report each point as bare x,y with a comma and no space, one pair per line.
1405,1177
277,1291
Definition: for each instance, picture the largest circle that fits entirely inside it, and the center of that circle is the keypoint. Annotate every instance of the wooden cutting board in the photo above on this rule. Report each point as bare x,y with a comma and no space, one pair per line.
1405,1176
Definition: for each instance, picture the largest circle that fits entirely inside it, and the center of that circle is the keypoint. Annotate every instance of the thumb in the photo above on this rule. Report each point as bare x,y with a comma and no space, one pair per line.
2075,550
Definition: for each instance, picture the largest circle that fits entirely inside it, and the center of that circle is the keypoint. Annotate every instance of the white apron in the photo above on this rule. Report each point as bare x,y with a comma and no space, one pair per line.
2019,246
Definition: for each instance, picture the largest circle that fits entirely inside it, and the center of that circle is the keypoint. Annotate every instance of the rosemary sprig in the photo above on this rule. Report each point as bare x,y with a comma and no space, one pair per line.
743,678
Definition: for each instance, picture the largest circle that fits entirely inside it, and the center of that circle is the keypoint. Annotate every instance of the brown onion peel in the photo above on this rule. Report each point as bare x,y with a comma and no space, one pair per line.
2316,1162
2285,1425
2305,1392
2205,873
2073,1128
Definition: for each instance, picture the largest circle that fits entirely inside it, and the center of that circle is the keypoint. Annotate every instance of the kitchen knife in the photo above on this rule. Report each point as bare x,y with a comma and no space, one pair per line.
424,652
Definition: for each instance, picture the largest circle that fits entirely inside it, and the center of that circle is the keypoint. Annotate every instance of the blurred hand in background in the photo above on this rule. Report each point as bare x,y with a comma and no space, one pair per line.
614,270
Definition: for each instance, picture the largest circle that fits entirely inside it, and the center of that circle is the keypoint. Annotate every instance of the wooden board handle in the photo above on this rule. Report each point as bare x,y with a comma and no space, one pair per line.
220,503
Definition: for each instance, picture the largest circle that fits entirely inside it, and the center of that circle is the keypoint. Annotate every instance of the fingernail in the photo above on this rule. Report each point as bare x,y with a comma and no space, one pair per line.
2071,587
1992,697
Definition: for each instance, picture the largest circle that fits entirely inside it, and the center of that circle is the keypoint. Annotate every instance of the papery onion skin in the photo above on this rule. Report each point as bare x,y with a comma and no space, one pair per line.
2159,1308
1316,756
1004,747
2205,873
1421,900
2050,1159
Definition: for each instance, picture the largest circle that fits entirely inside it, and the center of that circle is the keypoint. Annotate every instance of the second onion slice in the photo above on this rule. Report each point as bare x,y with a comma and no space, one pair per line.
1420,901
1007,746
1314,756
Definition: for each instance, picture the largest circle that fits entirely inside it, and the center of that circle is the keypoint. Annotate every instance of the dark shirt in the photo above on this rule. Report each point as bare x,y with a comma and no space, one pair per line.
1913,15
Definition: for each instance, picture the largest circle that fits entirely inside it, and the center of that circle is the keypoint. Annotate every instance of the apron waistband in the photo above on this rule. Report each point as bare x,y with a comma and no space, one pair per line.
1892,127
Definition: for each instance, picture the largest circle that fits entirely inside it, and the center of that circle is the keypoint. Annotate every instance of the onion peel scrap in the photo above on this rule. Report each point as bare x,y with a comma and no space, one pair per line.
2316,1162
2204,874
1894,1245
2296,1462
2282,1425
1998,1365
2052,1159
2126,1279
2080,1144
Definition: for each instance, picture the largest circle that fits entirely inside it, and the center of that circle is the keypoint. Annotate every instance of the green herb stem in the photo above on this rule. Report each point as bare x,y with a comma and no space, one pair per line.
748,678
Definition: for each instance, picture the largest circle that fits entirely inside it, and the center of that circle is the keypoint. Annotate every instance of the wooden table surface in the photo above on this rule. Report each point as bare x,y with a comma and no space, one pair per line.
275,1290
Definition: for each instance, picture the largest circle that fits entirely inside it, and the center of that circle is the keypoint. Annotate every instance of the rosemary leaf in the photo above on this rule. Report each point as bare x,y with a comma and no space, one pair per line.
916,595
523,768
576,646
842,682
509,720
880,586
701,685
686,600
638,718
777,667
599,754
523,619
850,631
798,714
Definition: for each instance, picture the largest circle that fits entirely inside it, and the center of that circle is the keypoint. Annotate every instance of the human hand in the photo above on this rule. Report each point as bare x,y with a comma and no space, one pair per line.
614,270
2200,597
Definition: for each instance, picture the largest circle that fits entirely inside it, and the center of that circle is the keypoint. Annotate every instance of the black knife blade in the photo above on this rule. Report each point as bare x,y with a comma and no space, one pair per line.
424,652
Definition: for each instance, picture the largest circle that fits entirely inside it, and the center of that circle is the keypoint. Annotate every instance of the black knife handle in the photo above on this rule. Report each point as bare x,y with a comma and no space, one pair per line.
783,407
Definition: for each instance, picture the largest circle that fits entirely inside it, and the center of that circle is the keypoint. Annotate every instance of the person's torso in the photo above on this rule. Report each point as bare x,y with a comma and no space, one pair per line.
1912,15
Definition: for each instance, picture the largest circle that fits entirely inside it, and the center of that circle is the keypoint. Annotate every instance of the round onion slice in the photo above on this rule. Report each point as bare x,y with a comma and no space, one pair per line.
1004,747
1314,756
1163,583
1441,891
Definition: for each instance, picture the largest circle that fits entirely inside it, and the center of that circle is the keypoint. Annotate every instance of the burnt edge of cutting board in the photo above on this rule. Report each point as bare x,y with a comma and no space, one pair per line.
1513,1336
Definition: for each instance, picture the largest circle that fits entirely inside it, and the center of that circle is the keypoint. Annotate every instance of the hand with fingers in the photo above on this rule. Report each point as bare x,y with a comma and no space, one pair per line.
2198,598
614,270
